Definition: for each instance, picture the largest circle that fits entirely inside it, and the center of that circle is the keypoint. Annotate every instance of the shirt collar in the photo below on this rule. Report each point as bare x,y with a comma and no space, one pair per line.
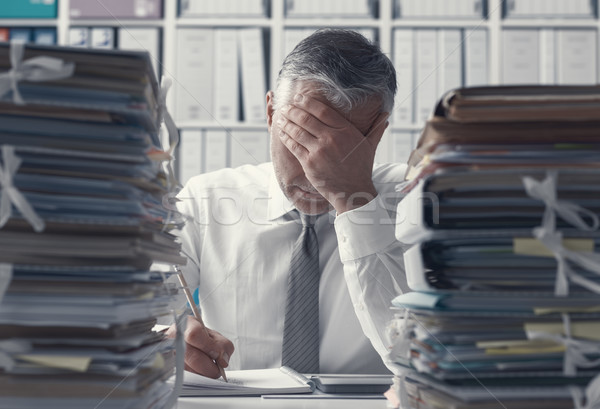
279,205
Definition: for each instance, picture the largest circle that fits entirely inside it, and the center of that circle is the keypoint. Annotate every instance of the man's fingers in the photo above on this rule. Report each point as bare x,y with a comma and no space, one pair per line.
299,151
227,348
213,344
296,148
317,109
200,363
297,133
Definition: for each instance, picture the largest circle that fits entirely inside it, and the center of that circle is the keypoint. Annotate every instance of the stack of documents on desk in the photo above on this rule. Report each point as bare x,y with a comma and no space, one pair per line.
509,126
82,224
504,255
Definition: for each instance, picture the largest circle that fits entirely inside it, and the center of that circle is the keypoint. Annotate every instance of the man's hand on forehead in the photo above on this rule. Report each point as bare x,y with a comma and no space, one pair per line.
336,156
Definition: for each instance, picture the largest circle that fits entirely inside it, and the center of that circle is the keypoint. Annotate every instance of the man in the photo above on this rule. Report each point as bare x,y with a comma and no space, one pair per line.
326,117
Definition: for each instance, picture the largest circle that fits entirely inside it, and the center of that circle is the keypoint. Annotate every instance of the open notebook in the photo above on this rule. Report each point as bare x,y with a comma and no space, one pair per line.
248,382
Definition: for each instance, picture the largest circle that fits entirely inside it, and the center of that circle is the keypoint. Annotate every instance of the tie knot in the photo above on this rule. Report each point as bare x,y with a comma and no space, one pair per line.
308,220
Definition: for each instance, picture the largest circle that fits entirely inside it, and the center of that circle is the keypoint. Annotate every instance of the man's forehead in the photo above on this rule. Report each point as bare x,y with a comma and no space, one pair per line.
363,115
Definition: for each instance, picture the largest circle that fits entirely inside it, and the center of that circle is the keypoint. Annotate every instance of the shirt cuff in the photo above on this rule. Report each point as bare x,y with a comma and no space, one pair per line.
364,231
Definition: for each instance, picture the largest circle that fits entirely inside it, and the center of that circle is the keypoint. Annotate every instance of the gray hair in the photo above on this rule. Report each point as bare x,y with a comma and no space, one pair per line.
347,69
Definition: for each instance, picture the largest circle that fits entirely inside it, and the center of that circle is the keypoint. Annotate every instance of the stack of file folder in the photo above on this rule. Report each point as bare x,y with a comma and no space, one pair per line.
501,218
82,227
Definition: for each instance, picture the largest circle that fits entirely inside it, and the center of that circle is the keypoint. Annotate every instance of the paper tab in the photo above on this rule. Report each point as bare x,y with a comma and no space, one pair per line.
159,362
585,330
524,347
553,310
417,300
73,363
533,247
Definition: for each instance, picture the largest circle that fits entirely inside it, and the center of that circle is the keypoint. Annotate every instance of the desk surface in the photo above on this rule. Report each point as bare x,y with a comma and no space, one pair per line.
237,402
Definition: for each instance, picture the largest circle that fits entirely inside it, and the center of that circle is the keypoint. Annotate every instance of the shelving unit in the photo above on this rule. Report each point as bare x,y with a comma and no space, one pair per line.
275,23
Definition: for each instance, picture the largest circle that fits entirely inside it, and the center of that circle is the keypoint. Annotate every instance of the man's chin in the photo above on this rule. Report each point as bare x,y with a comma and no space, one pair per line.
312,205
307,201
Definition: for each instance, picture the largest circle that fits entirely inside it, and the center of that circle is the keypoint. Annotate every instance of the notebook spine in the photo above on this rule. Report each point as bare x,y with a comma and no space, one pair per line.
298,377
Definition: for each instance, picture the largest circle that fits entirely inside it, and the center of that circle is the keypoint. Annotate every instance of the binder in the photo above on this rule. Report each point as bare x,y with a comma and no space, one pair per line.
191,154
476,57
28,9
547,56
520,56
577,56
312,8
404,62
43,35
449,60
439,8
79,37
226,82
143,9
102,37
194,73
222,8
425,76
550,8
21,34
216,149
254,86
249,147
142,39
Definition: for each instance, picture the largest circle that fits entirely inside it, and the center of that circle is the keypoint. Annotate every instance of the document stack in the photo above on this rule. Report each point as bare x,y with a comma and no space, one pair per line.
501,218
82,223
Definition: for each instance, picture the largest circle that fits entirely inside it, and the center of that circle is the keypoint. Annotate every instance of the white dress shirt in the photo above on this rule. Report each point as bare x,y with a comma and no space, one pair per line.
239,235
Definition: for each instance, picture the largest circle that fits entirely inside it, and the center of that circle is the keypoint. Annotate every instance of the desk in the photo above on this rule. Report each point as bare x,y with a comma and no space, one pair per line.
237,402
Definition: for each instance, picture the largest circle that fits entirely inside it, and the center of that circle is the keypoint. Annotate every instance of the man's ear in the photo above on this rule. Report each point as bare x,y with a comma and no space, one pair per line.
270,109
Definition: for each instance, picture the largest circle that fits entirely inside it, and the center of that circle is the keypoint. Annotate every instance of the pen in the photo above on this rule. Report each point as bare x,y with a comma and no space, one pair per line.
195,311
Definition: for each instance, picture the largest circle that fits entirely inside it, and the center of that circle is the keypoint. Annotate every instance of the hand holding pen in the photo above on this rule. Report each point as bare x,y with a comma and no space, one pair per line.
207,351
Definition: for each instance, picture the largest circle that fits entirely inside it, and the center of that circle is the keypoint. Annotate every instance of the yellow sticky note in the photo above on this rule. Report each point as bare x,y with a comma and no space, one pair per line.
73,363
159,362
583,330
552,310
506,343
521,346
525,350
146,296
533,247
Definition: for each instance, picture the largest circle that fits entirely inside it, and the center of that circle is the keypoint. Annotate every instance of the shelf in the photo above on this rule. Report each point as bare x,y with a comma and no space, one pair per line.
28,22
223,125
546,22
126,22
439,23
216,22
331,22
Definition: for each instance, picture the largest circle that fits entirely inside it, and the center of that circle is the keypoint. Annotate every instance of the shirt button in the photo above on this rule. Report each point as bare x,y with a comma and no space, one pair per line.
344,239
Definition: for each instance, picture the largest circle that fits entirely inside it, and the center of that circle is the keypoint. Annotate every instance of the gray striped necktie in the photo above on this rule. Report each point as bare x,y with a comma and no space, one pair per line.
300,349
